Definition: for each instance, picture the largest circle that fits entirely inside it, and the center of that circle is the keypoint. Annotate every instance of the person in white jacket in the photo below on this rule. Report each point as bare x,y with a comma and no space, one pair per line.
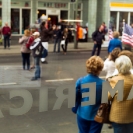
109,63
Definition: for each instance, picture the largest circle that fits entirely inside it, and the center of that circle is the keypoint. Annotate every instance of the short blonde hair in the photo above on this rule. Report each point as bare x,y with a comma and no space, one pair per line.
116,34
27,32
123,64
94,65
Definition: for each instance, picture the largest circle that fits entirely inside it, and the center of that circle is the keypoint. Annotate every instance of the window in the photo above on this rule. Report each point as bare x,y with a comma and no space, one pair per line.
64,14
15,19
123,16
113,20
131,17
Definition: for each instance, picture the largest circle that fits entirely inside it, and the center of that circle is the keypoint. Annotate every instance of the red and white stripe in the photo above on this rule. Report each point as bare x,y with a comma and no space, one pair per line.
127,39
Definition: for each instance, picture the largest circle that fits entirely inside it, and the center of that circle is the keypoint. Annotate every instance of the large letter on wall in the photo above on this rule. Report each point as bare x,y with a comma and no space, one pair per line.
91,94
28,101
117,89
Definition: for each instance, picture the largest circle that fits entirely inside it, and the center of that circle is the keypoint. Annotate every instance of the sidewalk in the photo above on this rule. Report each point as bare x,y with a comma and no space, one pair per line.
15,49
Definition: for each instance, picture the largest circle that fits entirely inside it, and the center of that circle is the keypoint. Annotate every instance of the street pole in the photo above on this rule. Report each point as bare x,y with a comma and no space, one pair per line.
75,35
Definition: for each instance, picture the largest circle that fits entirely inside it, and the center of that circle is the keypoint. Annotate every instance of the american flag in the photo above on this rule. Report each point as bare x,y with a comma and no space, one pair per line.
127,37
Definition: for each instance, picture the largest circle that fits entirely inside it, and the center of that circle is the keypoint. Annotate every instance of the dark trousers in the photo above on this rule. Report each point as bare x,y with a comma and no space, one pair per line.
123,128
86,126
98,47
26,60
64,47
57,40
6,39
37,67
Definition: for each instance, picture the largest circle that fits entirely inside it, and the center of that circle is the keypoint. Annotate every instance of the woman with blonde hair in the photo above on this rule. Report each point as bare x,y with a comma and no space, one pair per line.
115,42
24,50
121,111
86,114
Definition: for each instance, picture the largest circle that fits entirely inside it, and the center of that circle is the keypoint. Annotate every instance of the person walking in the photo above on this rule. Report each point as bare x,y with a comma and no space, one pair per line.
114,43
45,35
86,114
98,37
24,50
121,111
57,38
65,39
6,31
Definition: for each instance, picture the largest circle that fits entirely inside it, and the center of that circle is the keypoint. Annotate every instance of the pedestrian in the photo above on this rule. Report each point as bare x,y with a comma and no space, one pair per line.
115,42
57,38
121,111
29,43
86,114
98,37
105,28
128,54
45,35
37,49
6,31
25,52
109,63
65,39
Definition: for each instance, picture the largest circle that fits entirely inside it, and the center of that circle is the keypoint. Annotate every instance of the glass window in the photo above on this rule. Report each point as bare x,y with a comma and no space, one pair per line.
123,16
25,19
64,14
15,21
40,12
78,15
131,19
113,19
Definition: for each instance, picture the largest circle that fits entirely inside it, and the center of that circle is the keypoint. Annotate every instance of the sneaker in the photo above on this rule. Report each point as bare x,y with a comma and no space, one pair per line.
34,78
45,62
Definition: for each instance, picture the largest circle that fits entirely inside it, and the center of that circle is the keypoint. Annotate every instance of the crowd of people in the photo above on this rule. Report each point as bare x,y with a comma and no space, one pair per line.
118,66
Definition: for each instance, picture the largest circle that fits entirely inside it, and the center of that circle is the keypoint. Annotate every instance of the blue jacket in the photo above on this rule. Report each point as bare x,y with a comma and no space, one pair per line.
114,43
88,112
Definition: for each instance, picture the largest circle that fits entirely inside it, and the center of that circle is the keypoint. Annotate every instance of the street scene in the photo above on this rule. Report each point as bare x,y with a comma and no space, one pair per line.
66,66
52,75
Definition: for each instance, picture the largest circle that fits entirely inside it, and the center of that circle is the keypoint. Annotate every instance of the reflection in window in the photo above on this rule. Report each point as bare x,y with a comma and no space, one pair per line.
25,19
15,21
113,20
64,14
123,15
131,18
78,15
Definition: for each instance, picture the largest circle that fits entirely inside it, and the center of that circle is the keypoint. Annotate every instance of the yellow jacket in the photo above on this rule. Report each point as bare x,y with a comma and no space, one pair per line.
122,111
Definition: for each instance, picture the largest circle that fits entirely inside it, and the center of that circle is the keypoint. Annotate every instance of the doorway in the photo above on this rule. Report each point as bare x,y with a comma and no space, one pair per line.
25,19
54,19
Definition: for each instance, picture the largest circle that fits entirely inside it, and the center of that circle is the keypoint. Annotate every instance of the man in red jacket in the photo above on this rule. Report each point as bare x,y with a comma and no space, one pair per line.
6,31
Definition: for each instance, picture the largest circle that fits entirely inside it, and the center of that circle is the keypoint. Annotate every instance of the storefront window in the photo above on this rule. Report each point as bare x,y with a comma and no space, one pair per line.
78,15
15,18
40,13
113,20
123,16
131,18
25,19
64,14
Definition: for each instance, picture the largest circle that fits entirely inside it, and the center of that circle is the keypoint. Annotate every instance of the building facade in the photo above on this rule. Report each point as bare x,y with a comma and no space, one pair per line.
21,13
